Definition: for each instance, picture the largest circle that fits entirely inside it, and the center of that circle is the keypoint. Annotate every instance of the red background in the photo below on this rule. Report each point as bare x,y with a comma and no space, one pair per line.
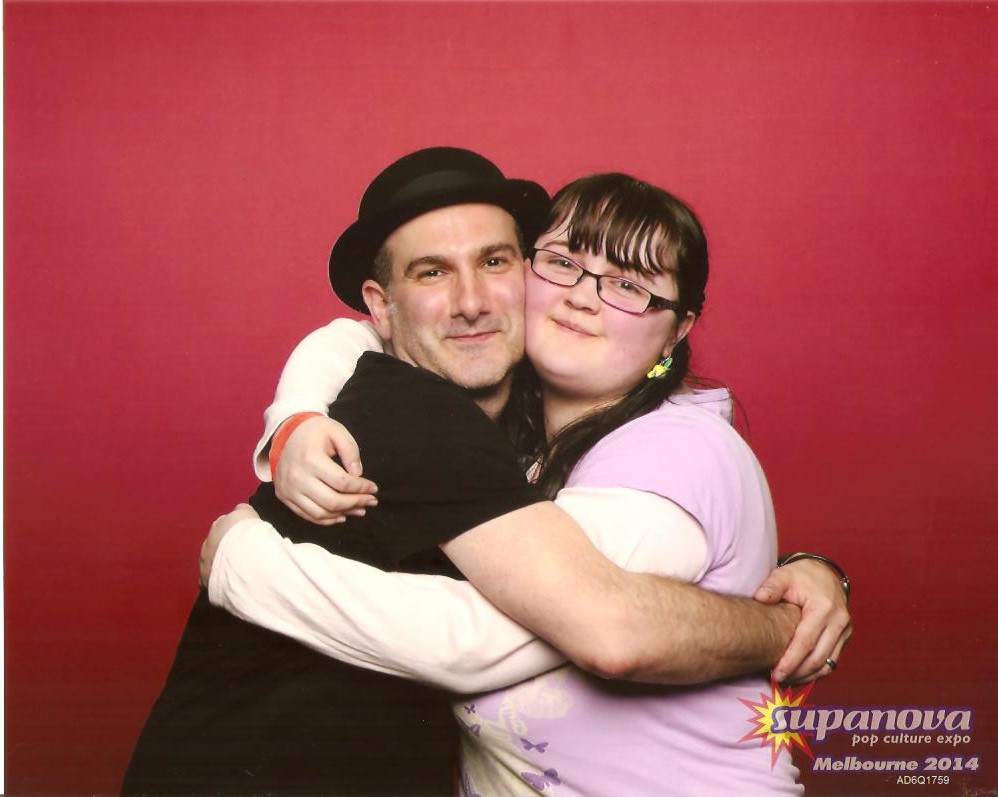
175,174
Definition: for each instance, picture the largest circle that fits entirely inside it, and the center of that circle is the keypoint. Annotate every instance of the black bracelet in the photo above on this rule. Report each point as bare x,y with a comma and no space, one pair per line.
787,558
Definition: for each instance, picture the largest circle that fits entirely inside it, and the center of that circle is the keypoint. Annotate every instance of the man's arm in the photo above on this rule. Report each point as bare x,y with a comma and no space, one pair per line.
537,566
821,590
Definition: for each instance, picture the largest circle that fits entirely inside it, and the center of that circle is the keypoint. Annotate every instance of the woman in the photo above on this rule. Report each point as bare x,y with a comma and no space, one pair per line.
615,286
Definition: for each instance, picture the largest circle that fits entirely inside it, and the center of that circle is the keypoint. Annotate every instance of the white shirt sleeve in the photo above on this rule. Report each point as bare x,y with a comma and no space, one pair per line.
313,376
431,628
641,532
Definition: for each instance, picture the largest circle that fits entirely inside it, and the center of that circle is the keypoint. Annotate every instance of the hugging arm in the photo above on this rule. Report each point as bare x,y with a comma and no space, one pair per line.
822,593
433,629
614,623
313,376
306,477
444,632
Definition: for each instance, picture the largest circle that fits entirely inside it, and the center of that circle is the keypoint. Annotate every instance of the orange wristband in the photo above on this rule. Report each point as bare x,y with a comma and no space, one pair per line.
280,438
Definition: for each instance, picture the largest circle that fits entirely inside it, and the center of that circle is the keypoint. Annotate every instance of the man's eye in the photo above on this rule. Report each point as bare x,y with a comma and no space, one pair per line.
428,274
496,262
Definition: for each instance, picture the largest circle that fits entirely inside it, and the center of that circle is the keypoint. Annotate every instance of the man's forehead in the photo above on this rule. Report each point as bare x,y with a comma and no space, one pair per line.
454,229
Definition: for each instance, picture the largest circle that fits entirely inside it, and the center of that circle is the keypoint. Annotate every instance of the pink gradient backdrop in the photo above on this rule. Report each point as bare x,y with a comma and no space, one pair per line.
175,174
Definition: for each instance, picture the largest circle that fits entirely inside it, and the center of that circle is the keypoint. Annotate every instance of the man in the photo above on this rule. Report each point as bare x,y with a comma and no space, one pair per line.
247,711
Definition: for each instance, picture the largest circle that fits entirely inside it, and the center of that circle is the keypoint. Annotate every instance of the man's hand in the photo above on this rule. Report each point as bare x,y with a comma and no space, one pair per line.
313,486
825,625
218,530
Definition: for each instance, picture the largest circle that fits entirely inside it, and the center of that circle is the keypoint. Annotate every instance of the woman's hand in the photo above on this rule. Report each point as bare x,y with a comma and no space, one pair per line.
825,625
311,484
218,530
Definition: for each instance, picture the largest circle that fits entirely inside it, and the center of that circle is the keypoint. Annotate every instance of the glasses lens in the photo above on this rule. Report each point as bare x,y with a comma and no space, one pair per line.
555,268
624,294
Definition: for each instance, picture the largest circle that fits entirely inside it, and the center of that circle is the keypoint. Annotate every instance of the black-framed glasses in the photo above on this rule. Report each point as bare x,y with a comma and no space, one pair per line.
618,292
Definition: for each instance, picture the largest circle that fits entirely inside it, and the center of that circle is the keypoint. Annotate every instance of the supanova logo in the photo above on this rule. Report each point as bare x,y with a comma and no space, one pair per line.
819,722
782,720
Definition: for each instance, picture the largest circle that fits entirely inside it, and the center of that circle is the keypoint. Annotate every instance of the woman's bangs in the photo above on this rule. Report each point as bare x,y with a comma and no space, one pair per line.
625,227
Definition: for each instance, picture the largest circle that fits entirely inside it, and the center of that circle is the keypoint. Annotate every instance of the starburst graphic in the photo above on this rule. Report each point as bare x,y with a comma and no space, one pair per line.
763,721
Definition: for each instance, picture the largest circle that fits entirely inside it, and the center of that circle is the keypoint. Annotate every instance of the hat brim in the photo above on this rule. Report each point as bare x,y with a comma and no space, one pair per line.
352,255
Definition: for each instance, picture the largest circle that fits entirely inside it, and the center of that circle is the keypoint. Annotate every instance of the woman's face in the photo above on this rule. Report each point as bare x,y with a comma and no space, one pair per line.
583,347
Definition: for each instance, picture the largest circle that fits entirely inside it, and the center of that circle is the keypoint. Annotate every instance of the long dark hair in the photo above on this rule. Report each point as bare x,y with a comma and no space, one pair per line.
637,227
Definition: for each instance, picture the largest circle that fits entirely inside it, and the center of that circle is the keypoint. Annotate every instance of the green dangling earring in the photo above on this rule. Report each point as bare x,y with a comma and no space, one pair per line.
661,368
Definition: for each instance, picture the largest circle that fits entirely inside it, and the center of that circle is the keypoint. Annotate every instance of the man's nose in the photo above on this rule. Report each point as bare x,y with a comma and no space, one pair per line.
472,295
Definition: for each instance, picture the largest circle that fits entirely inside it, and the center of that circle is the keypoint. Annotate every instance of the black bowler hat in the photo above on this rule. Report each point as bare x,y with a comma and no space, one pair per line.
422,181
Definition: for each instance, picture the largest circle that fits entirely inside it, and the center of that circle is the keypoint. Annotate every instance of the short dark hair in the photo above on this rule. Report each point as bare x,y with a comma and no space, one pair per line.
381,267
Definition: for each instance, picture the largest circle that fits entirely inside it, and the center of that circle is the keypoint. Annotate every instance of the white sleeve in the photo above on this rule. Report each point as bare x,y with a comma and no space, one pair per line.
313,376
430,628
642,532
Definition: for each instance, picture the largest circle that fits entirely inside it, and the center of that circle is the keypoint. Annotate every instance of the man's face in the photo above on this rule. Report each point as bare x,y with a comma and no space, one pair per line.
454,303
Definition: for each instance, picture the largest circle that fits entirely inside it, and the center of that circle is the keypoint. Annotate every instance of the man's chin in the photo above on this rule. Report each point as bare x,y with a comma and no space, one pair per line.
484,383
476,392
481,376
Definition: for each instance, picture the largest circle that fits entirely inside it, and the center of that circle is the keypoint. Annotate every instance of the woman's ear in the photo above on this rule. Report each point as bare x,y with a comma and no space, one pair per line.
682,330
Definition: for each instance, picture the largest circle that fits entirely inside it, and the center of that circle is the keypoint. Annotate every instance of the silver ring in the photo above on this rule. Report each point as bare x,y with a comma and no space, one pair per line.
831,664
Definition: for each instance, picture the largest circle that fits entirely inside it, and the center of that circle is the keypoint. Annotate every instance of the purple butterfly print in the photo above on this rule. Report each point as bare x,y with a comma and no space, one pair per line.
541,782
475,729
540,747
470,708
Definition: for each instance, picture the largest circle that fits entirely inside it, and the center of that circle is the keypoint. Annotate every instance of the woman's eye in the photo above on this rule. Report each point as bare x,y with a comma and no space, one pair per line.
628,287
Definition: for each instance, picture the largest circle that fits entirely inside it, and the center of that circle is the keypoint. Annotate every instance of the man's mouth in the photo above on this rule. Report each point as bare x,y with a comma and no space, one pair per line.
474,336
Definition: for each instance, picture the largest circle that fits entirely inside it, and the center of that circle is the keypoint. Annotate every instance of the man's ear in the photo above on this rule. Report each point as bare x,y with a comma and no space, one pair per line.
377,304
682,330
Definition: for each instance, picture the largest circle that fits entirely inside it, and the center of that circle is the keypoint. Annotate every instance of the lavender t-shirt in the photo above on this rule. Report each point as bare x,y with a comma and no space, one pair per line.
569,733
